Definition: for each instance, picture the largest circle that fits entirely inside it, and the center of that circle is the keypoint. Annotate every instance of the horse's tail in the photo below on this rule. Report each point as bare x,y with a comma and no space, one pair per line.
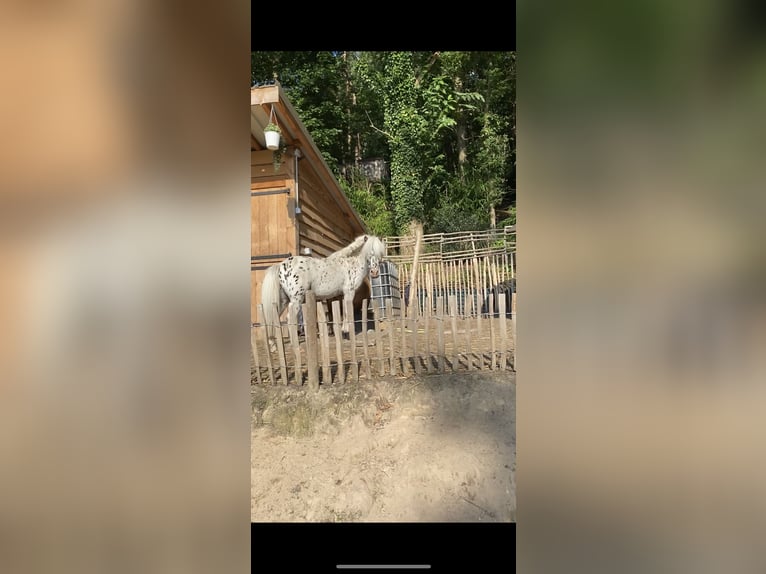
271,293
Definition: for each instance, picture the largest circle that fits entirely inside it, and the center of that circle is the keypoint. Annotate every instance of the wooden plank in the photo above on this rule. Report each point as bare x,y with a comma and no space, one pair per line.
310,332
453,320
453,279
441,279
427,336
391,323
478,296
338,333
403,339
465,287
479,327
326,189
503,334
378,336
513,327
254,350
468,324
261,331
280,347
325,343
414,323
264,95
440,332
365,341
460,290
414,279
320,232
492,334
348,313
292,328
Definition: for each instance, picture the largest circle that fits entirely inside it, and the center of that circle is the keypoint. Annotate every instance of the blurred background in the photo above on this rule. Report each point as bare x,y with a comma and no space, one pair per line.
124,407
124,349
642,259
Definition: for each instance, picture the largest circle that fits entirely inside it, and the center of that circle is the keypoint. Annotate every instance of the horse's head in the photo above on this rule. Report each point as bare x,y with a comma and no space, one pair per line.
374,266
375,246
375,250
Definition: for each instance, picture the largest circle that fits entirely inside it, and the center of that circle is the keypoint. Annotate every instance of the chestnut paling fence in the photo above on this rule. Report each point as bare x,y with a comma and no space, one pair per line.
457,313
436,340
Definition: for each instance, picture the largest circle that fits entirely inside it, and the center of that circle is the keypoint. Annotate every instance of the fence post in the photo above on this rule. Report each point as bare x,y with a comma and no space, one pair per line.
350,320
310,331
280,345
513,326
324,334
295,343
254,349
338,333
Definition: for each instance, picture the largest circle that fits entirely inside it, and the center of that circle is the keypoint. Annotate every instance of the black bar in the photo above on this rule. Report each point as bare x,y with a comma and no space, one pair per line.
272,192
274,256
445,547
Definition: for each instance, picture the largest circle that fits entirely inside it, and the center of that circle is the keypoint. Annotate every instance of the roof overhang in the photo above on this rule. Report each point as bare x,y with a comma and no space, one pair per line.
268,100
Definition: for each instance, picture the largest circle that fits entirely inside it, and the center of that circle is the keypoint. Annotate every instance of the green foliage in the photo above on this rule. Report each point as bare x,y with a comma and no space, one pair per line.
369,201
444,121
509,216
404,124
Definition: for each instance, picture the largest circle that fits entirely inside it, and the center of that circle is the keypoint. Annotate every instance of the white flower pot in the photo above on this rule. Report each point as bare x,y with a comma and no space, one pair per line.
272,140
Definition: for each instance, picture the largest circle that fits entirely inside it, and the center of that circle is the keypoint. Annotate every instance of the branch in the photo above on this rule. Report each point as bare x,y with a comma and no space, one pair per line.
389,136
419,77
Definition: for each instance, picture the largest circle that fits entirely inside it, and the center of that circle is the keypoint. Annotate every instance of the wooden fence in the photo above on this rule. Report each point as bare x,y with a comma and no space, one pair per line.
444,334
466,264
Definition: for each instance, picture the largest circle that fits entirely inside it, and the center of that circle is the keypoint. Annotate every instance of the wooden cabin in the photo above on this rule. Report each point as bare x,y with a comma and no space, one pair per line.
296,203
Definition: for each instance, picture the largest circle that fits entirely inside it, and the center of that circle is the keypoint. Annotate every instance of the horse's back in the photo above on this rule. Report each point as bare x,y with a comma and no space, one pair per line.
301,273
328,279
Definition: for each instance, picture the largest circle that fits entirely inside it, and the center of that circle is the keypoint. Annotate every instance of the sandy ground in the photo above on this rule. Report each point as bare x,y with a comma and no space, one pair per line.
427,448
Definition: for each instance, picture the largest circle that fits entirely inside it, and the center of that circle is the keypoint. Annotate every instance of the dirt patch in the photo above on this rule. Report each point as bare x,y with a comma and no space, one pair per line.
435,448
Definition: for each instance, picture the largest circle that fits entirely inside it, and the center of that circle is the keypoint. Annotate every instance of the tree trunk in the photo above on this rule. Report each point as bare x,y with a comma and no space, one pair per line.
350,101
462,152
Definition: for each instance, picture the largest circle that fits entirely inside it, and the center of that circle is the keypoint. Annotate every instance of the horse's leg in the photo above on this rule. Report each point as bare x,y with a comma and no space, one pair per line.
347,321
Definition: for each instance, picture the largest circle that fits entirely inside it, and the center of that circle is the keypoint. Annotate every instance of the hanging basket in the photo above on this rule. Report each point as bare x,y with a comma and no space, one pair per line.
272,132
272,139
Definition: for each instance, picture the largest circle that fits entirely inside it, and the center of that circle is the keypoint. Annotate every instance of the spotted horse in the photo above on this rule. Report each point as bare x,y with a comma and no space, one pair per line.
340,273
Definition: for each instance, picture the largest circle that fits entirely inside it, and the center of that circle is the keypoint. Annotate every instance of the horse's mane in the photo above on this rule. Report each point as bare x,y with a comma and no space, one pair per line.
374,246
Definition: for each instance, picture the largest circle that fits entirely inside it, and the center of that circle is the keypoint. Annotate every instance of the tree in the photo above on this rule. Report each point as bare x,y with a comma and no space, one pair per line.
445,122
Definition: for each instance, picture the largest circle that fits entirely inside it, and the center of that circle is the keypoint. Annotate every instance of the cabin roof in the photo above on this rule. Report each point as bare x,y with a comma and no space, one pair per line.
264,100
